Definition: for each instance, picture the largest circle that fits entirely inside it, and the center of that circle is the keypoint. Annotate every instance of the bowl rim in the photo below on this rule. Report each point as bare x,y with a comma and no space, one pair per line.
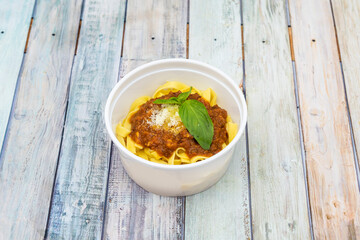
216,156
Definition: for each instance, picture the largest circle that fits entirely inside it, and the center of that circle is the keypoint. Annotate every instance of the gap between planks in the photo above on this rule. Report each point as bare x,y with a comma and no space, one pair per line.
187,41
187,29
28,35
107,190
303,158
336,35
291,47
122,42
242,43
301,134
242,87
77,38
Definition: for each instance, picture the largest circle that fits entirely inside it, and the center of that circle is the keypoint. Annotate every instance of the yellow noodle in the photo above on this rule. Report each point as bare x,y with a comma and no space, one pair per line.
122,131
138,102
171,159
197,158
177,162
176,86
209,96
142,154
130,144
231,129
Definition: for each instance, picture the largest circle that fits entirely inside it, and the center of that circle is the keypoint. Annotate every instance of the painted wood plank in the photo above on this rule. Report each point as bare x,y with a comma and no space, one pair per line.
333,190
30,153
80,188
221,212
154,29
278,191
15,19
347,20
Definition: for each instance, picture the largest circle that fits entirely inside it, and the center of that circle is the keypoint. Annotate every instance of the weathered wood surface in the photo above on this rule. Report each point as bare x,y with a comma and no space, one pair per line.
278,197
221,212
154,30
279,208
333,189
347,20
15,19
77,210
30,153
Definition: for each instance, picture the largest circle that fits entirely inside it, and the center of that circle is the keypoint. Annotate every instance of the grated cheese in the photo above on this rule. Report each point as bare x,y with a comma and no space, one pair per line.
167,117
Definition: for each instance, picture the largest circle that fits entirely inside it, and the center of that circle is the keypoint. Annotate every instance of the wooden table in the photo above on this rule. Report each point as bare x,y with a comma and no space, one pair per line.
295,173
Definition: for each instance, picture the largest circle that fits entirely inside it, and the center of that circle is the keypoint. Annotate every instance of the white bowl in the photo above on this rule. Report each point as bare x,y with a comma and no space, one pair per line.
175,180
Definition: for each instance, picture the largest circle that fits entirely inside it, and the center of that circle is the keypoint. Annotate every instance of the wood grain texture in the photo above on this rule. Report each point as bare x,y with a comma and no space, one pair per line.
347,20
221,212
154,29
279,207
30,153
80,187
333,190
15,19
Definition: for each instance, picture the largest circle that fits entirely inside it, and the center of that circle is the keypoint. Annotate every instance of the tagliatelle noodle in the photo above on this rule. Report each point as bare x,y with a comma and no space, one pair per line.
179,156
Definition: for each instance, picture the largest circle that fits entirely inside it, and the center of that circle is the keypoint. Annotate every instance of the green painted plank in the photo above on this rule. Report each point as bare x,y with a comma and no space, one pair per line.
15,19
154,29
223,211
333,188
30,154
80,188
278,191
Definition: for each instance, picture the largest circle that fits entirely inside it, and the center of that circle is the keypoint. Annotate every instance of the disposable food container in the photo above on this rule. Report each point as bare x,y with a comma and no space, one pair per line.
175,180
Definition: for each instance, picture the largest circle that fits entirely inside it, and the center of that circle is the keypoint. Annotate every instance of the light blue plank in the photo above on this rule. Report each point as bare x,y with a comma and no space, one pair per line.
223,211
29,157
154,29
15,19
279,206
80,189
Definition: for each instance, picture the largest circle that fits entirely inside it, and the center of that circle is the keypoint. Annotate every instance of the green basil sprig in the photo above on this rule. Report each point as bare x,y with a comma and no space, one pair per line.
194,116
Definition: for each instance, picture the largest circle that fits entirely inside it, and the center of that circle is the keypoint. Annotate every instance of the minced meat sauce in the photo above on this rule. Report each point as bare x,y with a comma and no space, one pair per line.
165,142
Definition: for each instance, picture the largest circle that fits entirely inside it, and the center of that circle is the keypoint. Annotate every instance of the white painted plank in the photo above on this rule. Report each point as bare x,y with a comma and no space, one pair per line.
80,188
15,19
278,191
347,20
29,157
333,189
221,212
154,29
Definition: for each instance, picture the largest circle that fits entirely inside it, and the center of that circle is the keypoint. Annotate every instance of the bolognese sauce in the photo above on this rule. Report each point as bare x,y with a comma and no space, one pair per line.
166,135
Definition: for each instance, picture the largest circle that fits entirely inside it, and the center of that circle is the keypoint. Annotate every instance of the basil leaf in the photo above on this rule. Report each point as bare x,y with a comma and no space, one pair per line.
183,96
194,116
172,100
196,119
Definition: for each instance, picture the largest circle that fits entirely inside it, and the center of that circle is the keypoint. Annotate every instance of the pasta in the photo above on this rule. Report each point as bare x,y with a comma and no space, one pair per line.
168,118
